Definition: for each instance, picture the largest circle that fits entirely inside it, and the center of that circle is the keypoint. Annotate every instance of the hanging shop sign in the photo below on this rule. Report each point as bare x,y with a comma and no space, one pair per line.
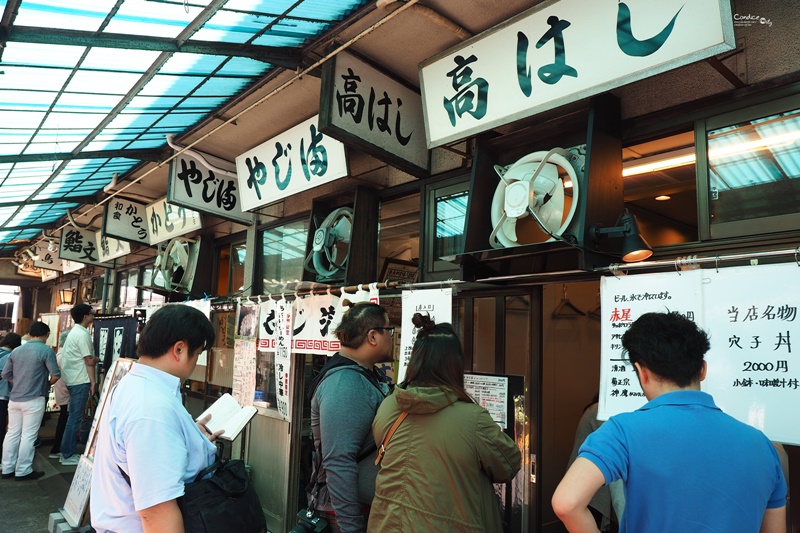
362,106
562,51
297,160
752,373
48,260
283,357
80,245
111,248
148,224
48,274
194,184
168,221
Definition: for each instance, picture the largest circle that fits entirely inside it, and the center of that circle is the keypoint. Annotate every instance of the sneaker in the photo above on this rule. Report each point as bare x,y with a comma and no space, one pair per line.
70,461
56,455
33,475
9,476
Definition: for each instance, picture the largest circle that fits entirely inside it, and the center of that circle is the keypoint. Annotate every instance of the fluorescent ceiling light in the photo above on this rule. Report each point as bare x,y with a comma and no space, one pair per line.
686,156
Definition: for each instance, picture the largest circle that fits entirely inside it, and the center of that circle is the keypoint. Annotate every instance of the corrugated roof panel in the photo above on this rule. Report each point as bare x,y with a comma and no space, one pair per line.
106,145
11,149
87,15
243,66
290,33
133,122
140,17
93,82
231,27
49,146
115,59
42,55
21,119
26,100
21,136
152,103
191,64
87,103
32,78
220,86
143,144
204,104
180,120
324,9
167,85
57,121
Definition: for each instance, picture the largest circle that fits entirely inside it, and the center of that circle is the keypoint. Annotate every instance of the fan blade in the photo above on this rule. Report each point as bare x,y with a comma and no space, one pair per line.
546,183
509,229
551,213
342,229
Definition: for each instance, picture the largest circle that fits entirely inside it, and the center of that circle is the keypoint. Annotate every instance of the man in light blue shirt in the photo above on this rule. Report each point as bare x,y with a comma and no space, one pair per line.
31,369
148,434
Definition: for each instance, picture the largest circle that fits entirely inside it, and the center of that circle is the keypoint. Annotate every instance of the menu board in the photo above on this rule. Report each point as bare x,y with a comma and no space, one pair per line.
750,314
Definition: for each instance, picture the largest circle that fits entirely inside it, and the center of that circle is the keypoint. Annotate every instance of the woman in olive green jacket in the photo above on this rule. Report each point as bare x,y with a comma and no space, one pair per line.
440,463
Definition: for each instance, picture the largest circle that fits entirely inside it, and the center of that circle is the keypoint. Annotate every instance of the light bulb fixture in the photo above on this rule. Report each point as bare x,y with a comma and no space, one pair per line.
66,296
634,247
52,246
16,263
33,253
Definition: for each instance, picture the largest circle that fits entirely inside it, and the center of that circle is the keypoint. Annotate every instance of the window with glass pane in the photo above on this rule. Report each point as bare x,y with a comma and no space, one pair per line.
238,258
283,253
447,215
753,170
128,291
398,236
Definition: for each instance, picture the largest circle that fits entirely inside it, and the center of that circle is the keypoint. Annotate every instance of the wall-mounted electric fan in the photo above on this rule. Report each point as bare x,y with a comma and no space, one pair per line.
331,246
534,186
175,265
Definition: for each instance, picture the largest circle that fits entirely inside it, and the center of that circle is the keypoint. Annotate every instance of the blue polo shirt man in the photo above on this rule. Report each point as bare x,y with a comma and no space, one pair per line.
686,465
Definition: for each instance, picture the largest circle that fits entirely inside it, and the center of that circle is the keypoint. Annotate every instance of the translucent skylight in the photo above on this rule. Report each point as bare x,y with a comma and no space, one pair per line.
54,97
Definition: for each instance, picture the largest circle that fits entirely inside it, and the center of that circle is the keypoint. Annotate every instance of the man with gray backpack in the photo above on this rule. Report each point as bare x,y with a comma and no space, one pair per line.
344,398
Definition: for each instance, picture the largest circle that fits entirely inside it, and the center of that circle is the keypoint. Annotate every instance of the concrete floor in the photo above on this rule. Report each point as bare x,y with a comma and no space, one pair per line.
25,506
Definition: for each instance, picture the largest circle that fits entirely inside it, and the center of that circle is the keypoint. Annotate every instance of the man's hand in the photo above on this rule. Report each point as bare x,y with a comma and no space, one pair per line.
201,425
91,389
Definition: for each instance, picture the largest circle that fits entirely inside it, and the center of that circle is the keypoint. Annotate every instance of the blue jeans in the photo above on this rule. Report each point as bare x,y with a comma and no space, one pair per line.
78,396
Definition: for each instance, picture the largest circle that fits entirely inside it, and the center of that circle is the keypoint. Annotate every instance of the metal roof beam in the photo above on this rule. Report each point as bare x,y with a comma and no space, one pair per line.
28,226
283,57
61,199
141,154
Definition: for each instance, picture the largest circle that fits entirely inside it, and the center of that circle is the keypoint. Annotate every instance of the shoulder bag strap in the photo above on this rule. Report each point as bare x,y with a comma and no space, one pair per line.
382,449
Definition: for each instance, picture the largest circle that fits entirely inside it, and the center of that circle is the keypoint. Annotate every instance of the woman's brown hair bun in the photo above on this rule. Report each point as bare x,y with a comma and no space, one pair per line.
423,322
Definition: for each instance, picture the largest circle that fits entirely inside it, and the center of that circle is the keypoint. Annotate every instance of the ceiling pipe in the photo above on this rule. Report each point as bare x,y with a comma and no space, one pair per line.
198,155
433,15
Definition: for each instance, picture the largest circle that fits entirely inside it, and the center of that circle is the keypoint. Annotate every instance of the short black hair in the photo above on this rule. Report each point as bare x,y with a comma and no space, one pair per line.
11,340
80,311
173,323
39,329
669,345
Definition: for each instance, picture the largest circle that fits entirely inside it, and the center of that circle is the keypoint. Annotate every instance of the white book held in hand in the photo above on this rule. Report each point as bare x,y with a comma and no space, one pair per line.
227,414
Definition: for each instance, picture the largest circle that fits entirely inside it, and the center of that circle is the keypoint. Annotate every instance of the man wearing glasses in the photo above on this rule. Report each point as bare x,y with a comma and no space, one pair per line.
345,396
